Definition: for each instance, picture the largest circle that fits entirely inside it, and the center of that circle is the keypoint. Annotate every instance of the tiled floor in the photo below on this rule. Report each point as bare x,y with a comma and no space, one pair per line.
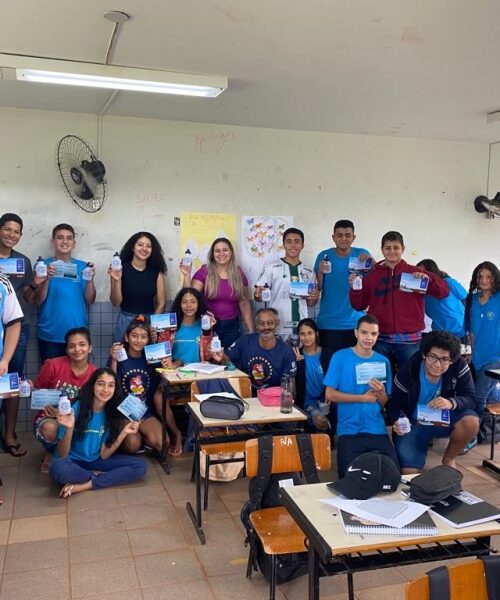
137,542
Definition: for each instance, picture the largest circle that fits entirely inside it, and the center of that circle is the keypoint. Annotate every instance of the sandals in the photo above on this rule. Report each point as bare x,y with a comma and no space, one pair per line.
15,450
176,450
44,467
66,491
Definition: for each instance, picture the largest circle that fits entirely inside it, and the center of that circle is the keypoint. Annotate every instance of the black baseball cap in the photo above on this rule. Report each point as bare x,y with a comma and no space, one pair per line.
366,476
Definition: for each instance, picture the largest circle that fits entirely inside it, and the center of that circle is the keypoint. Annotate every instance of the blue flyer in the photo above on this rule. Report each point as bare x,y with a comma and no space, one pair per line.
9,385
12,266
41,398
155,352
409,283
164,321
133,408
371,370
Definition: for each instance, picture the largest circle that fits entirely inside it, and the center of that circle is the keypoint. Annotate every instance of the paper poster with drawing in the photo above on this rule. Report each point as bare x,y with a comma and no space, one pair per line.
261,243
199,230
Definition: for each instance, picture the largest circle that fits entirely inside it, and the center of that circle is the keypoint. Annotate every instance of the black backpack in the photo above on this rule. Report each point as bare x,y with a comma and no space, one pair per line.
263,493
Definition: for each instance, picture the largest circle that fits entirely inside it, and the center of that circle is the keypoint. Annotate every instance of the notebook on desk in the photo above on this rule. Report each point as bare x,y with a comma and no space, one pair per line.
464,510
422,526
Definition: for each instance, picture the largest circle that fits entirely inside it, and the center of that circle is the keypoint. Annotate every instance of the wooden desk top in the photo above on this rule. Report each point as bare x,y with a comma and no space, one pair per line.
177,377
255,415
321,524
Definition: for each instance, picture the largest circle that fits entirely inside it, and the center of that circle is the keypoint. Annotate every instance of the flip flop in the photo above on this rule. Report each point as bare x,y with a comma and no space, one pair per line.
66,491
44,467
14,450
176,450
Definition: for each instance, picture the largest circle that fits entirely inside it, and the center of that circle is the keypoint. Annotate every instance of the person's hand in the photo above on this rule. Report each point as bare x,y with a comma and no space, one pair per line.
323,265
213,320
369,397
131,427
51,269
321,422
166,363
298,355
115,275
67,421
313,295
217,356
39,280
91,268
185,269
4,365
377,387
50,411
257,293
352,277
115,348
419,275
440,403
397,429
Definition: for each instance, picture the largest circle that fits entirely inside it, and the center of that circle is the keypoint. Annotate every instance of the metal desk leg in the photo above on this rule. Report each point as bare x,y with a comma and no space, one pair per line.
162,456
197,518
490,464
350,586
313,574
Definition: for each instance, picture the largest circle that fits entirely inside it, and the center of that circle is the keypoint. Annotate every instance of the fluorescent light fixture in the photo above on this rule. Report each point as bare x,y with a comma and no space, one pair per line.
113,77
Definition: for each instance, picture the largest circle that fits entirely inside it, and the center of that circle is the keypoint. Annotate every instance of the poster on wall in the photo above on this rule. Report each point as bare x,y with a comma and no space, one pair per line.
261,243
199,230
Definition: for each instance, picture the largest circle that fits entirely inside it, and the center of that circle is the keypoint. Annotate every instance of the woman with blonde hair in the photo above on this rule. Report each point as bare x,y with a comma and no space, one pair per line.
224,286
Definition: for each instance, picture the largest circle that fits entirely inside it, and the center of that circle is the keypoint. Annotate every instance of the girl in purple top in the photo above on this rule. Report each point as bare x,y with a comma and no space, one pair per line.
225,288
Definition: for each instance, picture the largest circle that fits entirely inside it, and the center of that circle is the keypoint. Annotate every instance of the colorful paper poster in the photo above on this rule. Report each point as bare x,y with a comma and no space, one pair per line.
199,230
261,243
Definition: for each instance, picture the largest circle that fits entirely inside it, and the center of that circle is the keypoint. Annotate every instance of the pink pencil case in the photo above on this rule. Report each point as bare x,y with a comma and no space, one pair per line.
270,396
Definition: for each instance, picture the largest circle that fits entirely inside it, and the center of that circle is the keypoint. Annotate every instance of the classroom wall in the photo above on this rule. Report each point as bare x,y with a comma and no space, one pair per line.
159,169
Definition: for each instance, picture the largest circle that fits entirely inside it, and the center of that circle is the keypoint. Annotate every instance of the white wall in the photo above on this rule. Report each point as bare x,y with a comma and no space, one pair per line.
158,169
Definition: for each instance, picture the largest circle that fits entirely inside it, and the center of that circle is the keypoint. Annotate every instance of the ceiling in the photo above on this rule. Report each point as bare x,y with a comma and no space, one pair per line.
427,69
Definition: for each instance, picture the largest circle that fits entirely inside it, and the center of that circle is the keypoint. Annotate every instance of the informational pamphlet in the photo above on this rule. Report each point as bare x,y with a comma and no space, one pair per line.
67,270
155,352
357,265
133,408
9,385
164,321
433,416
410,283
371,370
42,398
12,266
299,289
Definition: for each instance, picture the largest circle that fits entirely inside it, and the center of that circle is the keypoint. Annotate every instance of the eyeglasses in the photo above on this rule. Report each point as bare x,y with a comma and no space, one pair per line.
444,360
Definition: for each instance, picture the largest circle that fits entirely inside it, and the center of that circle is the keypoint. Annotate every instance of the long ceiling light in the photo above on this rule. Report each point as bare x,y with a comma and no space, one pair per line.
113,77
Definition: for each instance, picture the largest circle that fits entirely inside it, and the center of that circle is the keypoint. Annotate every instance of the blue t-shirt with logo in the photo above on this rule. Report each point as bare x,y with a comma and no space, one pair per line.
315,390
356,417
485,326
264,367
447,314
428,391
335,310
88,447
187,343
64,307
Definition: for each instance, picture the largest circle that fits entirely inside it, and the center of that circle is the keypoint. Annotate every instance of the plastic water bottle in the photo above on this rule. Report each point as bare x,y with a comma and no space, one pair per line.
216,345
87,272
64,404
286,397
40,268
404,423
266,293
187,260
357,283
328,266
205,322
121,355
116,262
24,388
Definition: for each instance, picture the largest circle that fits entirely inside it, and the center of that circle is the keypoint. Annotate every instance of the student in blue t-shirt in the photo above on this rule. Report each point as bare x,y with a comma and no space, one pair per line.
337,318
309,379
359,382
447,314
89,437
63,296
482,321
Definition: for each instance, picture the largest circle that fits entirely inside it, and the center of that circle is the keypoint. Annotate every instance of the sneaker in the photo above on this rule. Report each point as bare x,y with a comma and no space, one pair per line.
469,446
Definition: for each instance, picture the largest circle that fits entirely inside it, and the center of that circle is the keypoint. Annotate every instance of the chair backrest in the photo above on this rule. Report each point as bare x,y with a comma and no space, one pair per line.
241,386
286,458
467,582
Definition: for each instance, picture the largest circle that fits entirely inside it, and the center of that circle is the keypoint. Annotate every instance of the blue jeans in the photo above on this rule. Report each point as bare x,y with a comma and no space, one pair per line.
401,353
484,386
118,469
228,331
18,360
50,349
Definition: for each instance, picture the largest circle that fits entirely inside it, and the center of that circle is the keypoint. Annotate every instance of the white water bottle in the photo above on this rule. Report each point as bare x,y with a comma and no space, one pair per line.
87,272
216,345
116,262
205,322
357,283
328,266
24,388
121,355
64,405
404,423
40,268
187,259
266,293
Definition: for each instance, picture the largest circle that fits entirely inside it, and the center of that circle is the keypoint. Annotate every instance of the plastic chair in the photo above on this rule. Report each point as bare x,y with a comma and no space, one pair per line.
275,527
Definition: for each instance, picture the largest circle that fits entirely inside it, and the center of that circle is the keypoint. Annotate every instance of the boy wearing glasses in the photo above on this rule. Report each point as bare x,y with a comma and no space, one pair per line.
434,389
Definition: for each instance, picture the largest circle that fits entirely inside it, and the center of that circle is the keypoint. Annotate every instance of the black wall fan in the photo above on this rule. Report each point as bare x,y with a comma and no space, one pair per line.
82,173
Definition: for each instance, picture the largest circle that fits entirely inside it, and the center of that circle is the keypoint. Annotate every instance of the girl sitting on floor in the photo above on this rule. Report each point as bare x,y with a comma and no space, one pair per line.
66,373
88,438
